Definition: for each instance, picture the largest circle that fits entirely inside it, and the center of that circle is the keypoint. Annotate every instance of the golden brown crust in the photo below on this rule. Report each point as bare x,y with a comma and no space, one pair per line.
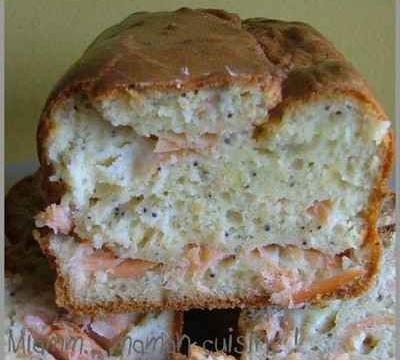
311,64
181,49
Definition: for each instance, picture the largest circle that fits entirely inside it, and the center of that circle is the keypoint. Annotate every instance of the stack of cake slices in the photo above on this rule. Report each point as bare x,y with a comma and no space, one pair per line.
194,160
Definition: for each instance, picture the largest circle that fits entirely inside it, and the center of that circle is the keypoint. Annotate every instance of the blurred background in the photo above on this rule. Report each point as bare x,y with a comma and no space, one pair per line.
43,37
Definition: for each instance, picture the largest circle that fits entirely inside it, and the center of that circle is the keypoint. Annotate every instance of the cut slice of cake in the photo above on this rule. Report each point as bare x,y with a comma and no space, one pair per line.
35,328
362,328
194,160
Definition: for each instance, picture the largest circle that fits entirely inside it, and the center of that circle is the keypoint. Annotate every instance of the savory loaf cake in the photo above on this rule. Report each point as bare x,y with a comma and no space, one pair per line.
192,159
362,328
35,328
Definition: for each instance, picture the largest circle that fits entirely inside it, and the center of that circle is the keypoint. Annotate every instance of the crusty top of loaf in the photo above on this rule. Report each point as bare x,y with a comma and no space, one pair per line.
311,64
190,49
180,49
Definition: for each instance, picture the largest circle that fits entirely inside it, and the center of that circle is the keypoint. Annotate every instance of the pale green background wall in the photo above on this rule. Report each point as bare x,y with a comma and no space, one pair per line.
43,37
